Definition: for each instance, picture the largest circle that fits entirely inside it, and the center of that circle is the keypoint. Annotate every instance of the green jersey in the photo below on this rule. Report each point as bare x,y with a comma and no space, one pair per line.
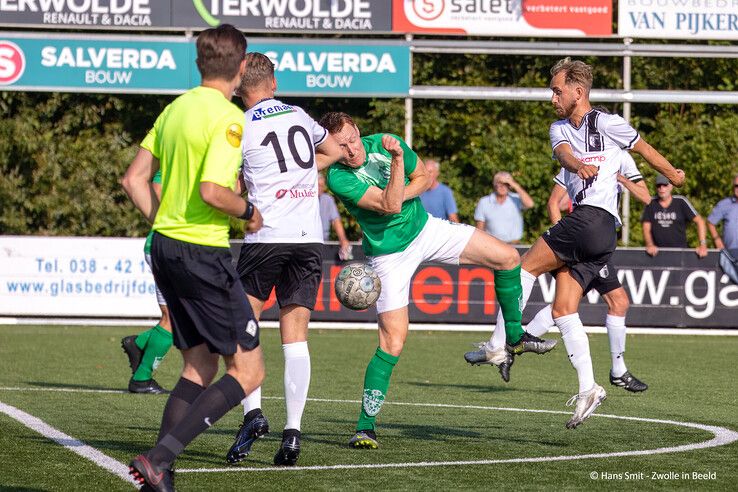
147,245
383,234
197,138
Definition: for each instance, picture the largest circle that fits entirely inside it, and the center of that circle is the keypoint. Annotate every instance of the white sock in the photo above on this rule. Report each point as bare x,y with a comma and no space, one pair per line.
527,281
252,401
616,333
296,381
577,347
541,323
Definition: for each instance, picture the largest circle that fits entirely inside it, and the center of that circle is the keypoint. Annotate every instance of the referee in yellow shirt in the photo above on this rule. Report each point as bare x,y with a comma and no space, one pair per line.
197,140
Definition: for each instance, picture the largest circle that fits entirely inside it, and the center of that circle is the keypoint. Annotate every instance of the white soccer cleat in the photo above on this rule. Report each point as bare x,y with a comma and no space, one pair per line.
487,355
587,402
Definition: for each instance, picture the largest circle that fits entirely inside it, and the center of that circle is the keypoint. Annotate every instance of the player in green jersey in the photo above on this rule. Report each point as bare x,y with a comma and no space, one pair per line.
146,350
379,180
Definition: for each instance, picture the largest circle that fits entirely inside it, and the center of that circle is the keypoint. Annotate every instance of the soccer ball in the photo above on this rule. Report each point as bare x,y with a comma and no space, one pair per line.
358,286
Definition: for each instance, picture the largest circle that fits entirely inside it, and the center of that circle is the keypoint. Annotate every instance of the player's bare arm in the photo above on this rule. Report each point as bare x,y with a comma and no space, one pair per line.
229,202
327,153
388,200
419,181
659,162
554,201
571,163
639,190
137,183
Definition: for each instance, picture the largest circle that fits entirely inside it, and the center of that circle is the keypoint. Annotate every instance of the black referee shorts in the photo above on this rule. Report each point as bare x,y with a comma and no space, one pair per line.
206,301
294,269
584,240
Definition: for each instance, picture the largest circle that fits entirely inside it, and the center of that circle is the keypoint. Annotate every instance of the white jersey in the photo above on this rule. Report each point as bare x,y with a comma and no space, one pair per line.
601,140
280,172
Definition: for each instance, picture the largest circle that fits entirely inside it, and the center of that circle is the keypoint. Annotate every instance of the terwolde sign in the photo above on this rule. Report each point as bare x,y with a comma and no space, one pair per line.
250,15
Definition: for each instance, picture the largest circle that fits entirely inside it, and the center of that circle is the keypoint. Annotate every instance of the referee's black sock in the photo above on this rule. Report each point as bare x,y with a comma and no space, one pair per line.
205,411
185,392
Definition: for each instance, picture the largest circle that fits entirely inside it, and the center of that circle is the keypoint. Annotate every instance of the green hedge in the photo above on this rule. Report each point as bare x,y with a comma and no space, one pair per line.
61,155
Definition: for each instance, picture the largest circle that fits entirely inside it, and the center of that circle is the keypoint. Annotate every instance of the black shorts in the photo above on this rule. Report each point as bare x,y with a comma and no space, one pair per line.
206,301
294,269
584,240
606,280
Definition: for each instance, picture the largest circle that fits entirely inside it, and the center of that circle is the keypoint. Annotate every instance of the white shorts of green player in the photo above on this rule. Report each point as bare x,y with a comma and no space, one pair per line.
440,241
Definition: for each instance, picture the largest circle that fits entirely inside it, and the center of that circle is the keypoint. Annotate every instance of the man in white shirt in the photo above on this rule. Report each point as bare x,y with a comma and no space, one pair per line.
283,150
501,212
588,143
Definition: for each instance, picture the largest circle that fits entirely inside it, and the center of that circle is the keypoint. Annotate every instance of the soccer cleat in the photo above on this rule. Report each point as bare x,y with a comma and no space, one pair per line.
249,431
149,386
530,343
135,354
364,439
289,450
587,402
486,355
628,382
150,476
505,367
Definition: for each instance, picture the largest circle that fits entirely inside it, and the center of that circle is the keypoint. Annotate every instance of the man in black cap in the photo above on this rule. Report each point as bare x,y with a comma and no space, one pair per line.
665,220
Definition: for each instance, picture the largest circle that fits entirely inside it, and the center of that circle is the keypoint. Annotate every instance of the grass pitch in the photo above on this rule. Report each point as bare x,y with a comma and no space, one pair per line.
438,409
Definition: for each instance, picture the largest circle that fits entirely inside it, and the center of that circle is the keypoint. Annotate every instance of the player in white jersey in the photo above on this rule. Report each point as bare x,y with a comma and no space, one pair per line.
283,149
606,282
588,145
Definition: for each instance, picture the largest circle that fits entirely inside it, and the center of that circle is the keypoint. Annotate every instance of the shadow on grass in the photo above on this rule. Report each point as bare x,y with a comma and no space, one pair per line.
480,388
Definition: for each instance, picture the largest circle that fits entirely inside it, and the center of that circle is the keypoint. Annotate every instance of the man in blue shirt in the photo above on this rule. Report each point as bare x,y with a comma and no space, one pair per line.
438,200
726,211
501,212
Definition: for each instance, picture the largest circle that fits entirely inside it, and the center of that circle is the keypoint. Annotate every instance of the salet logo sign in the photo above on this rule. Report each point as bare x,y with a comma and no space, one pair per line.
12,62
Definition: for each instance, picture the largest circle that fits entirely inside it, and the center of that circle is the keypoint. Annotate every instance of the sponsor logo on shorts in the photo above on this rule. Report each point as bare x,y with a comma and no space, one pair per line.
233,134
604,272
372,401
251,327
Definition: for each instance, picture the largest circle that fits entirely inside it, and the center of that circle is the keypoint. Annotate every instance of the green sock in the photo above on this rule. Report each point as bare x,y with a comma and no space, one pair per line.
509,294
376,382
158,341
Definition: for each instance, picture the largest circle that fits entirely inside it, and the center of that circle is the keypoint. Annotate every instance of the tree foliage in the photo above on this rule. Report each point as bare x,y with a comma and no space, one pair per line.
61,155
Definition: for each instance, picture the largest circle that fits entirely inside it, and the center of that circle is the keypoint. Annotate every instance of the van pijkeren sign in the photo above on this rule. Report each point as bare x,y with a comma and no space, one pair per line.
678,19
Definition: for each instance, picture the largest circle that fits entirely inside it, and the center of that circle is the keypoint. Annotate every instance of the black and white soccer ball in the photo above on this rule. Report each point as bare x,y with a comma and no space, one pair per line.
358,286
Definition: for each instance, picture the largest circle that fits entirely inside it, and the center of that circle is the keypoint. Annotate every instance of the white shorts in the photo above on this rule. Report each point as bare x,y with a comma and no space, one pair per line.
440,241
159,295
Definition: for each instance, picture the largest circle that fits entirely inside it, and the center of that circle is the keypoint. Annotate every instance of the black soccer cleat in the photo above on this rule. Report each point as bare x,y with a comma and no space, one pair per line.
505,367
150,476
148,387
629,382
530,343
135,354
249,431
289,450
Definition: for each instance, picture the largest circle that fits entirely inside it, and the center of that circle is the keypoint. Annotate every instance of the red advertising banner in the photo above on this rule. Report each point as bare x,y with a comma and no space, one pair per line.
544,18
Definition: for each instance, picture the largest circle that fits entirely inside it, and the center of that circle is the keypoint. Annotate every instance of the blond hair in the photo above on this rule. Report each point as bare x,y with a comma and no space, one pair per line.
577,72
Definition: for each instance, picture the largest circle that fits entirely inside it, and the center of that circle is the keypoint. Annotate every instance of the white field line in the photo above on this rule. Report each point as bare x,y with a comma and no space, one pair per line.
349,325
721,437
97,457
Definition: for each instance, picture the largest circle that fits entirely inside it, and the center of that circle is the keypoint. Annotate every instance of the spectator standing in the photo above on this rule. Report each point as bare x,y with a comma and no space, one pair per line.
665,220
438,199
329,217
726,211
501,212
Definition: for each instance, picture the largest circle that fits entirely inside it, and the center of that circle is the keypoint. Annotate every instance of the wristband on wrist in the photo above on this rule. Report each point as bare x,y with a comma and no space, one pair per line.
248,213
703,242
